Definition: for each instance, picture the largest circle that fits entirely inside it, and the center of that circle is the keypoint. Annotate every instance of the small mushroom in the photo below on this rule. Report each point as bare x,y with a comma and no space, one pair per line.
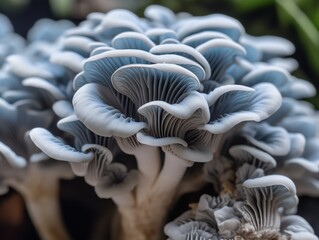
266,199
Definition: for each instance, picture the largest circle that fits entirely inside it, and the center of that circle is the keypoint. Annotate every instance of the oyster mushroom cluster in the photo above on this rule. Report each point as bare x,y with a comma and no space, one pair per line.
146,109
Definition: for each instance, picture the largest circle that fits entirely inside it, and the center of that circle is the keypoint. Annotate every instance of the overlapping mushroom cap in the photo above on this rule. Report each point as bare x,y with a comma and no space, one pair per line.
158,102
198,88
19,157
88,156
198,66
211,44
266,199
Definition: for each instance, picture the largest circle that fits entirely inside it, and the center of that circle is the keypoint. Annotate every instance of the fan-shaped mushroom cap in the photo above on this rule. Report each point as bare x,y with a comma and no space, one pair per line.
56,148
282,188
267,198
251,105
251,155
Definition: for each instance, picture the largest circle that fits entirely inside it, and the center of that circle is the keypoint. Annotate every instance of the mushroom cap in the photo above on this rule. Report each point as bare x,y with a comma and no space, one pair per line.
185,227
214,22
251,105
220,54
280,187
252,155
56,148
273,140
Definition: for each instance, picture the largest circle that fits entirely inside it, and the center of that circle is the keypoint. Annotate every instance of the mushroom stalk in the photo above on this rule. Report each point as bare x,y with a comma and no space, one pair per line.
171,174
191,184
145,219
148,164
124,200
40,191
142,222
45,215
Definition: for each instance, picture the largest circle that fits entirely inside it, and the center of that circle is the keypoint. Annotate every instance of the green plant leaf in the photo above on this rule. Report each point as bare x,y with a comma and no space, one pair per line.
62,8
308,33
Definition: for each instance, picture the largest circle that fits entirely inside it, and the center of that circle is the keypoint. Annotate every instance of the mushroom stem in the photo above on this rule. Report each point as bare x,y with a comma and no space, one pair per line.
145,219
171,175
149,164
124,200
191,184
40,191
142,222
45,215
